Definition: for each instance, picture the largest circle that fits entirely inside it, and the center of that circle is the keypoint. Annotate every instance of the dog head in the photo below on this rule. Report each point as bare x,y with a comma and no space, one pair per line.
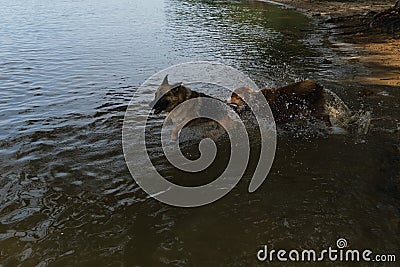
167,96
238,95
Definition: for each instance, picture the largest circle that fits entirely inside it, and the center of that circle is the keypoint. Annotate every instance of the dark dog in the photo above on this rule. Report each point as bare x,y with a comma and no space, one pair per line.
168,97
292,102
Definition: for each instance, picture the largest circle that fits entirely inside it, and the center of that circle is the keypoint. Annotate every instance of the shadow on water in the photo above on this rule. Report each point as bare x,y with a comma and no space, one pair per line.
66,195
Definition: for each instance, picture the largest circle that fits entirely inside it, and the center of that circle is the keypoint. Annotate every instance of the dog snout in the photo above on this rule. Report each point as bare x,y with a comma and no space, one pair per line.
160,105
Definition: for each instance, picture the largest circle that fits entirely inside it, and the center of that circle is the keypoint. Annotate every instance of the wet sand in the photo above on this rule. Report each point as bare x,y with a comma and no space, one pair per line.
377,51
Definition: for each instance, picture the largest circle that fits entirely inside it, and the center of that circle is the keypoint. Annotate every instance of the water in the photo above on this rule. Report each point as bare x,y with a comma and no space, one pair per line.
68,70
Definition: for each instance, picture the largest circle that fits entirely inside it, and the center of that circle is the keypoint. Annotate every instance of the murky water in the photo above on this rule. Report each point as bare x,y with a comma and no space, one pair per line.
68,70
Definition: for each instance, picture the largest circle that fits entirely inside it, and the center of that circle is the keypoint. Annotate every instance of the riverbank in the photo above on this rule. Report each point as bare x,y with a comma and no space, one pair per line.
377,51
336,8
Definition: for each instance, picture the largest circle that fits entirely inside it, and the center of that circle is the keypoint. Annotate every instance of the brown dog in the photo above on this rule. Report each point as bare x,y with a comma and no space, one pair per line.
167,97
295,101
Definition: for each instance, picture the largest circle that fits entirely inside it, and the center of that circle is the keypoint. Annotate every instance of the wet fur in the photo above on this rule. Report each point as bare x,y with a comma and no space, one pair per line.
295,101
167,97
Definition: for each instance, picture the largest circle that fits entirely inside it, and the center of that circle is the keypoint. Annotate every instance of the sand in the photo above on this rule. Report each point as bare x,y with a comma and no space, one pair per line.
378,51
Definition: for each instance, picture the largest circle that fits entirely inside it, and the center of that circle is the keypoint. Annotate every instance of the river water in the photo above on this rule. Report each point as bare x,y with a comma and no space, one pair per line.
68,70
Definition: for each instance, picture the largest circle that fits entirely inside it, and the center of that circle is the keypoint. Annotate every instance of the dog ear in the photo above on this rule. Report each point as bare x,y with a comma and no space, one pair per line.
165,81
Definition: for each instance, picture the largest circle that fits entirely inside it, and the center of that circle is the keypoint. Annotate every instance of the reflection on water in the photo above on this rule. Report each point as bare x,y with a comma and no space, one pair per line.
68,70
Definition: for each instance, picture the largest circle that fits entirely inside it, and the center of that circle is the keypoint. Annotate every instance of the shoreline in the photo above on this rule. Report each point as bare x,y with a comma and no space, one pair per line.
377,52
333,8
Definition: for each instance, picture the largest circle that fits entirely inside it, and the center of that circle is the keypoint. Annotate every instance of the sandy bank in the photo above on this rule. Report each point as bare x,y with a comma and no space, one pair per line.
379,51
